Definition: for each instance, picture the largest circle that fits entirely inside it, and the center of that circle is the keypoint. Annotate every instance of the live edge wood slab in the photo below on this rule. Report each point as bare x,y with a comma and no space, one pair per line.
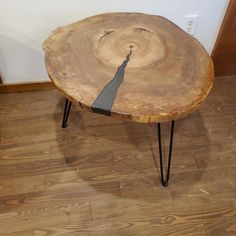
132,66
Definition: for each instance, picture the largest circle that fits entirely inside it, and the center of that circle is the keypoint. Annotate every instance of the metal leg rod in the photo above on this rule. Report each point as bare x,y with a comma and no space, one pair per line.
66,113
165,180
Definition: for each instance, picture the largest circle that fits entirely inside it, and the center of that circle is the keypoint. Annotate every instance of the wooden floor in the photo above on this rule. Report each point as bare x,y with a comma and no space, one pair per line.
98,177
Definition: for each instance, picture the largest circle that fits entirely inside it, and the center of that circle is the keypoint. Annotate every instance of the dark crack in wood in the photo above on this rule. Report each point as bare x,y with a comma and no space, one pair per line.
104,101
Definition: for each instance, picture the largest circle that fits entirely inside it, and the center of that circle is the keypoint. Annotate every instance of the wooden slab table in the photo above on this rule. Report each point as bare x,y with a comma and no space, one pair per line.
132,66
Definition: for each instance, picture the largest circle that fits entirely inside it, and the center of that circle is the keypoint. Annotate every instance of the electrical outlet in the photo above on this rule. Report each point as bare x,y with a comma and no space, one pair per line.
191,23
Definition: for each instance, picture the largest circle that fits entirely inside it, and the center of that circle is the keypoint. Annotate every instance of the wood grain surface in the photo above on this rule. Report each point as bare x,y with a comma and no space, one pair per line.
168,73
25,87
224,52
99,177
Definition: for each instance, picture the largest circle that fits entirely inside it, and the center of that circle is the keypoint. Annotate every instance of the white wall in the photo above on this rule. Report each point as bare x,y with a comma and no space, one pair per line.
24,24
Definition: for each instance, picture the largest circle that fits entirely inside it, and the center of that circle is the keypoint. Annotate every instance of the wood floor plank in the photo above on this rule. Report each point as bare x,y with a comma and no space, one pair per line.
54,231
72,184
163,223
186,229
203,187
20,233
112,208
23,220
221,227
14,186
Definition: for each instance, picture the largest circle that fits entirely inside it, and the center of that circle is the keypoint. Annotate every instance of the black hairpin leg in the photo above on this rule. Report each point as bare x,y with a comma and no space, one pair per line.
165,180
66,113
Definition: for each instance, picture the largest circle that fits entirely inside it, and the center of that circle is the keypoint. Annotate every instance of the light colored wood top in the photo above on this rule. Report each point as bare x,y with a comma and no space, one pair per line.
152,69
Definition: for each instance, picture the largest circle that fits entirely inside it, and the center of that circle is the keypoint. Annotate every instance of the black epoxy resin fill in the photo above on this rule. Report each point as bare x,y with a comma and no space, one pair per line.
104,101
